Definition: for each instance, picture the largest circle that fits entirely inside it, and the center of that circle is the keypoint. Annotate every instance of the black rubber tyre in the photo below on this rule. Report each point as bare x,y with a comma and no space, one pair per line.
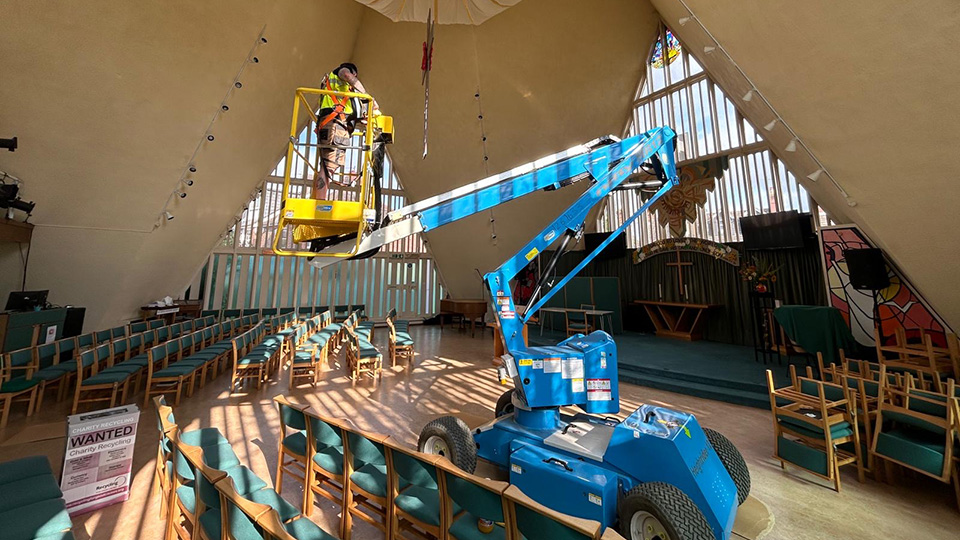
504,404
733,462
676,513
450,434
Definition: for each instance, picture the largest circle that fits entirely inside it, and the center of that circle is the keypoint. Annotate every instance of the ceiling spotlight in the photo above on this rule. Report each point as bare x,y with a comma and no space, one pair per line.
238,84
187,181
224,108
263,40
684,20
771,125
815,175
255,60
210,138
709,49
193,169
748,96
792,145
168,215
180,194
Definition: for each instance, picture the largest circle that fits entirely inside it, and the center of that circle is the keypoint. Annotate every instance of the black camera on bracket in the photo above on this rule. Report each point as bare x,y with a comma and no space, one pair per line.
9,144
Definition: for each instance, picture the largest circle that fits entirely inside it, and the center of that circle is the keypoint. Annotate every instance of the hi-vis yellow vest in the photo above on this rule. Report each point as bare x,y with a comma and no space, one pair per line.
337,85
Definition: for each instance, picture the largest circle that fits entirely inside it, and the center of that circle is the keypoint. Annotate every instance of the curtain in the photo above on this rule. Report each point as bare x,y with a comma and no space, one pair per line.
709,281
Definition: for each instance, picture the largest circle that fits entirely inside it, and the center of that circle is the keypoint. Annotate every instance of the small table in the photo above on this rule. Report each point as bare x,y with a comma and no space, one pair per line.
678,320
599,313
167,313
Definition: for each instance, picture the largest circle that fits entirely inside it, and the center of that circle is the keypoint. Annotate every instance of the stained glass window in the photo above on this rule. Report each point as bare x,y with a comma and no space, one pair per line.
673,51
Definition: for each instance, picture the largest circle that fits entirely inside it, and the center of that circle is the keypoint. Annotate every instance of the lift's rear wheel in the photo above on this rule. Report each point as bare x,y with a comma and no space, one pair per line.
505,404
449,436
732,461
659,511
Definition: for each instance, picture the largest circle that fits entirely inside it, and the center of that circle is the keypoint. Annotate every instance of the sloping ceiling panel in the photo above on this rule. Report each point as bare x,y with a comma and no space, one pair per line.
109,101
870,90
550,73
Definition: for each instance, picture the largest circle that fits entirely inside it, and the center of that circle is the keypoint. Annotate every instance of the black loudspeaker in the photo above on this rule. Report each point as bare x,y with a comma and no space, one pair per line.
868,270
73,321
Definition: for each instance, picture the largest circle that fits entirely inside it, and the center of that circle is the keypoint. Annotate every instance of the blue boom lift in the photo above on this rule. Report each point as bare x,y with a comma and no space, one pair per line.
656,474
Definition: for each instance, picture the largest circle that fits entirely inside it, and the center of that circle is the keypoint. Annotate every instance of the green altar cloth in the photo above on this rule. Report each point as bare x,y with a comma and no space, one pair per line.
817,329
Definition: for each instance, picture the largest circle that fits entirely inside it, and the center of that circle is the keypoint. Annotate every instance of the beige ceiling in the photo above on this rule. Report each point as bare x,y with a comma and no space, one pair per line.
550,75
870,89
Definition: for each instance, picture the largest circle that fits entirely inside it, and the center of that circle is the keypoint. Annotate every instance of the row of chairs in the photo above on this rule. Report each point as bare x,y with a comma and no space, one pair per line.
862,413
930,364
59,364
403,492
315,339
32,507
261,350
340,311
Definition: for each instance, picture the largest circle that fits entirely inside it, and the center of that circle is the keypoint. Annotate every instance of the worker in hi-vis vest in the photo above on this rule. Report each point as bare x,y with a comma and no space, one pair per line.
335,123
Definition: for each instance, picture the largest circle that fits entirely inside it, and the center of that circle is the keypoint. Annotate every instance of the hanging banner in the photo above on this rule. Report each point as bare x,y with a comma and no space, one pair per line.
96,467
716,250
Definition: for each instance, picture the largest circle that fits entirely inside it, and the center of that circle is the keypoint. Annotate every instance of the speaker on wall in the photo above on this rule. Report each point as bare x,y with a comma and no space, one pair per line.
868,270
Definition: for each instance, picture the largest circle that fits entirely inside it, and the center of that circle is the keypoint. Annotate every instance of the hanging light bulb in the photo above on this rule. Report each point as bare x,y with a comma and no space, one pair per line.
684,20
815,175
771,125
187,181
709,49
180,194
792,145
748,96
168,215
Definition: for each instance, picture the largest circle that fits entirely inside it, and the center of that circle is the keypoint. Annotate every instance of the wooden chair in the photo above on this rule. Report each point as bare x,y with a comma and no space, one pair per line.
401,344
917,429
366,496
192,494
415,491
811,420
324,474
925,358
477,498
110,385
243,519
576,320
362,356
292,451
50,372
15,389
535,521
307,357
172,374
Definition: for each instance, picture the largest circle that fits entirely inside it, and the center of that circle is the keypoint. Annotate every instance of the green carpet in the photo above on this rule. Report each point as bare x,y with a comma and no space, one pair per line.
705,369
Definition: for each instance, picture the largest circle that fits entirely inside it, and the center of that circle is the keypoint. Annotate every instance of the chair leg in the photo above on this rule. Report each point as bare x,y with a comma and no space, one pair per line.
33,400
279,483
42,387
308,489
6,411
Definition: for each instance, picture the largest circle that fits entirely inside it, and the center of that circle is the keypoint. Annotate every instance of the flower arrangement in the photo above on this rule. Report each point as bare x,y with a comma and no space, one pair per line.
761,272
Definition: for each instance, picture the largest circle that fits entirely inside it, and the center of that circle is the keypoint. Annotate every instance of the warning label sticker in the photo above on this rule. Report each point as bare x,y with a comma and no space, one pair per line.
598,390
572,368
551,365
516,468
538,364
598,384
595,499
577,385
526,362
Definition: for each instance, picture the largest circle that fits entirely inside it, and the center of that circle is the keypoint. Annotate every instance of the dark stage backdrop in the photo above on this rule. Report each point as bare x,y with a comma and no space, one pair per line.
799,281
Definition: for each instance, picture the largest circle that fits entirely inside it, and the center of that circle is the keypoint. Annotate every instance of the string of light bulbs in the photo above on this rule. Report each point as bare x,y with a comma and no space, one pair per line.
186,179
795,141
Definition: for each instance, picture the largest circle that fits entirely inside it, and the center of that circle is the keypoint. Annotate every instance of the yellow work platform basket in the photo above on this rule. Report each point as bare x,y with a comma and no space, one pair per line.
334,221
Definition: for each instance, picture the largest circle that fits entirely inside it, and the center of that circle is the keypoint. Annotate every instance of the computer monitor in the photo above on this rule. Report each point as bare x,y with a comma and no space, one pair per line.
26,300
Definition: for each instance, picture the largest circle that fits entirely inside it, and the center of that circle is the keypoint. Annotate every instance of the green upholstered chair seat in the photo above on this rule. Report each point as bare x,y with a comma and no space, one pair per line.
51,374
204,355
219,347
296,442
465,528
138,360
252,360
330,459
245,481
272,499
18,385
203,437
333,327
123,368
577,325
106,377
302,357
404,338
44,518
837,431
914,447
188,497
369,352
219,456
286,332
304,529
422,503
27,467
28,491
175,371
371,478
317,340
196,363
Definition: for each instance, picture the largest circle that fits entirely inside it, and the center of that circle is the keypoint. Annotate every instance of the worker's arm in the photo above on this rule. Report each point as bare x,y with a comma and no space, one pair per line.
352,79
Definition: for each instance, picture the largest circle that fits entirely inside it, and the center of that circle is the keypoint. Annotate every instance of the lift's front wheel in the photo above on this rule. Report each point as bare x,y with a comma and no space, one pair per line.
450,437
659,511
732,461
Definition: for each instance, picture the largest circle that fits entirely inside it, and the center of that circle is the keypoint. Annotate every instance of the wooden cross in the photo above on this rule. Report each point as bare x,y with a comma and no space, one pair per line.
680,264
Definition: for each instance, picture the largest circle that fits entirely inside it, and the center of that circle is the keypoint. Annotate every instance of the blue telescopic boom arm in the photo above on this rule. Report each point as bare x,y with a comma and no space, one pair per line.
658,142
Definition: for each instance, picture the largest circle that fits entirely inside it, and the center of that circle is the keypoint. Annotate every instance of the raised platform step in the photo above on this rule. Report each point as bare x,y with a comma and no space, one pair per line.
698,389
687,375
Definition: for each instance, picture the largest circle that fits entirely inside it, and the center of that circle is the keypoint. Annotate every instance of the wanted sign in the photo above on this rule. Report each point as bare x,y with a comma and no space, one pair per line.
96,467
